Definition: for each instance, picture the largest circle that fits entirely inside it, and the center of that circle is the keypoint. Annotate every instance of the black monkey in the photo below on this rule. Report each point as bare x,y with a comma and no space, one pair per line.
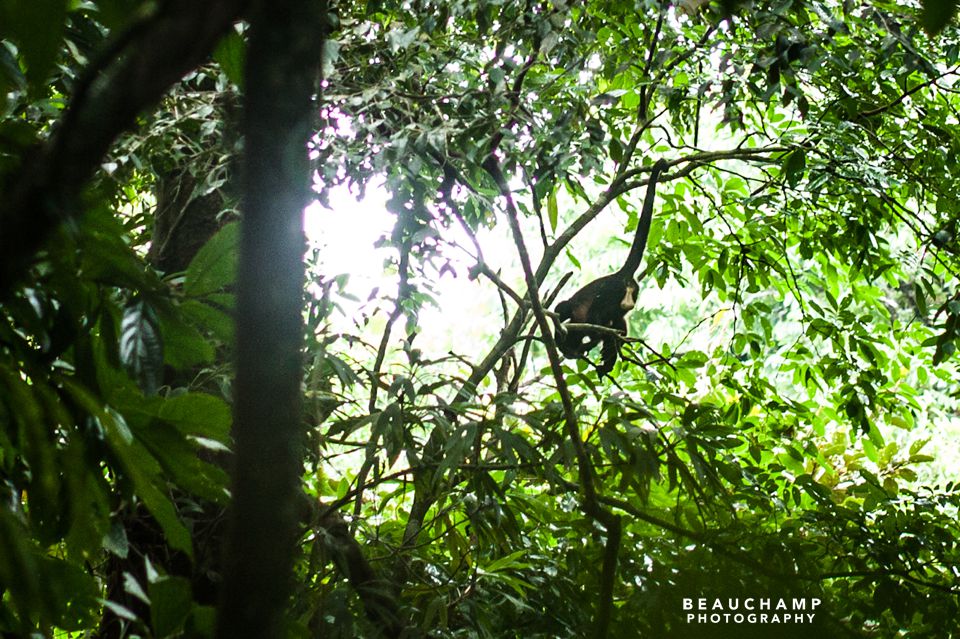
607,300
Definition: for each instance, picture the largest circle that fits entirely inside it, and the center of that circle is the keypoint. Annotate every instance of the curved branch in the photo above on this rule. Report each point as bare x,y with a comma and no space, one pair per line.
167,45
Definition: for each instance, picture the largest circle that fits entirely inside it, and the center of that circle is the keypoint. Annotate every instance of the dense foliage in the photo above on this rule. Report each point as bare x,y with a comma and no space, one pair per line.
782,421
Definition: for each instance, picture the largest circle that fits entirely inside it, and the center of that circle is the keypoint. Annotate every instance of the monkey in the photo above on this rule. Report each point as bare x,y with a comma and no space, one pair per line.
607,300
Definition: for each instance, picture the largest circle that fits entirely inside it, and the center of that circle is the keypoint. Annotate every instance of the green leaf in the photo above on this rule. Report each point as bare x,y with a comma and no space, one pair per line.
37,26
210,318
84,482
553,212
115,541
509,562
173,429
615,149
184,345
70,592
145,473
214,267
121,611
170,603
921,300
137,464
817,491
57,591
231,55
794,165
18,564
198,415
141,349
132,587
201,622
178,457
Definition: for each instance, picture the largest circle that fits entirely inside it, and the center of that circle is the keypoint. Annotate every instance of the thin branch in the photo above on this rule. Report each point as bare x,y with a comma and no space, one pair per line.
480,262
591,507
646,90
906,94
403,292
622,183
500,284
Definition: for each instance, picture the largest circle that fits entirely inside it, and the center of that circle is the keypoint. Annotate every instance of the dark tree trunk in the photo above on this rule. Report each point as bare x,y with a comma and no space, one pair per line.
183,222
281,68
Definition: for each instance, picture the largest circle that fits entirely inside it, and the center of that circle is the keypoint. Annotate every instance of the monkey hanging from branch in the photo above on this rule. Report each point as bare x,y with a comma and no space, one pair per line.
605,301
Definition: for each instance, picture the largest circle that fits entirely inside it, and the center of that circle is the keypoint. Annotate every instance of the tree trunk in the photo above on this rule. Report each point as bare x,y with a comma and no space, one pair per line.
281,69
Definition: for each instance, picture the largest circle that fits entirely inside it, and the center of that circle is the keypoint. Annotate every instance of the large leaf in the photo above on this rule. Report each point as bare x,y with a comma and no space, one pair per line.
62,593
231,55
37,26
184,345
178,457
170,603
198,415
214,267
141,347
137,464
210,318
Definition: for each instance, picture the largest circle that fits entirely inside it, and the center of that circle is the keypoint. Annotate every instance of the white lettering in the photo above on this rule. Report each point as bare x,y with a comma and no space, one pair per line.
778,610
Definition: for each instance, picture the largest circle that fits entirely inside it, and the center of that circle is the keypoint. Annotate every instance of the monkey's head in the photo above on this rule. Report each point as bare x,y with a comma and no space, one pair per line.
629,299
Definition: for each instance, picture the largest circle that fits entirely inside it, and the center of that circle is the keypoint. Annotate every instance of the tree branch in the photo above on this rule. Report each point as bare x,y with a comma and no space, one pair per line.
403,292
869,113
167,45
592,508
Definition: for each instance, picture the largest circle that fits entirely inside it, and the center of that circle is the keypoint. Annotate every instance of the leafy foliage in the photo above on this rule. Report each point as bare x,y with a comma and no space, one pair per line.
782,423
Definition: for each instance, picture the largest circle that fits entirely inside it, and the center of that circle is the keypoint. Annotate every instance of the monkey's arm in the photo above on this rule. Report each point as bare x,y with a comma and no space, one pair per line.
611,347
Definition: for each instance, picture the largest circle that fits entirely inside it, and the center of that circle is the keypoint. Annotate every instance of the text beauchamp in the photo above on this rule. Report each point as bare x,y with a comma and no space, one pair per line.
732,604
